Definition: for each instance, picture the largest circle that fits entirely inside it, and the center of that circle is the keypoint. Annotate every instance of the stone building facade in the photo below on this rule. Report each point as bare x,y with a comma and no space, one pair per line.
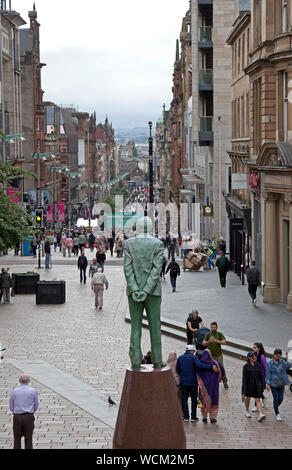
10,77
270,165
238,199
211,109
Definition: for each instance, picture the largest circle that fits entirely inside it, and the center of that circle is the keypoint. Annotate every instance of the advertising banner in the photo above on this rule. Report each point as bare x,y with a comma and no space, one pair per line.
13,195
45,199
61,211
50,213
31,200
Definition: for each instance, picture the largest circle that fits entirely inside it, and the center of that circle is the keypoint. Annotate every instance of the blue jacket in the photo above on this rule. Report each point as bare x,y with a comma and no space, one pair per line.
187,366
275,372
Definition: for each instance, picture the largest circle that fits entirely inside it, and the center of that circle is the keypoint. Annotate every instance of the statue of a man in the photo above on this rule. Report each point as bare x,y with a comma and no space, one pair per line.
143,259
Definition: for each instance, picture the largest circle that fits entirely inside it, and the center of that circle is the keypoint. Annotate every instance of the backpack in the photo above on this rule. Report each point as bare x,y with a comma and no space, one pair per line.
174,270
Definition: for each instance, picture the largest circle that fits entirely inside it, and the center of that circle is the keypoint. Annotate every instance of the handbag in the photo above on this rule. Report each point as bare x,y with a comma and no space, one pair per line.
279,383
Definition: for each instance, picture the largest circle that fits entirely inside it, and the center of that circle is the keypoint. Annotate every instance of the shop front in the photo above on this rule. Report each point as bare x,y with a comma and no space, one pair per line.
239,216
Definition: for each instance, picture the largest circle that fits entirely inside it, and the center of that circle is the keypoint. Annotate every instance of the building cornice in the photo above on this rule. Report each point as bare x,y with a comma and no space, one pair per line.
240,24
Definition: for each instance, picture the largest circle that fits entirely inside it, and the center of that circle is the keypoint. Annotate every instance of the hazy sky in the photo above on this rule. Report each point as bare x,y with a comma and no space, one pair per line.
112,56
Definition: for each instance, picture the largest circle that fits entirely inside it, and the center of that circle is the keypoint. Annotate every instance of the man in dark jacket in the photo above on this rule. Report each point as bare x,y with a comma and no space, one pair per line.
253,279
5,284
82,266
174,269
222,264
100,258
186,366
48,254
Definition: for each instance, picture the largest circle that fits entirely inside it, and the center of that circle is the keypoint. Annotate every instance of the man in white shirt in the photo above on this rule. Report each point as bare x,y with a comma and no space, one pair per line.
98,282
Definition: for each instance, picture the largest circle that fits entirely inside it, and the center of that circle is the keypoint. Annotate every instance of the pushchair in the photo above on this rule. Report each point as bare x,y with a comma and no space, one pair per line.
198,340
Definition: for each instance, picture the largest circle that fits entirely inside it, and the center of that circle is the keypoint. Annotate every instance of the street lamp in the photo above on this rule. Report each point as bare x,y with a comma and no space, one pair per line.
69,175
10,138
39,157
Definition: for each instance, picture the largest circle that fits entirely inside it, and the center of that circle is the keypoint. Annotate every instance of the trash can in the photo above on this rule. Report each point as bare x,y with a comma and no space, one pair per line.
26,246
50,292
25,283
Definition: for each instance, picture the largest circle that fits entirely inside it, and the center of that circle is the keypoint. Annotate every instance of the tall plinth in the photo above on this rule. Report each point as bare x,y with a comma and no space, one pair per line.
149,415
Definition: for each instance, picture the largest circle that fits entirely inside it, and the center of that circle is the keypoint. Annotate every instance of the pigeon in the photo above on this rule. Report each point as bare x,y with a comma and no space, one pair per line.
110,401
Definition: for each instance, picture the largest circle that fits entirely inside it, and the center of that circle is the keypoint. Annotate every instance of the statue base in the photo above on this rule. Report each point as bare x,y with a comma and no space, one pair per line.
150,415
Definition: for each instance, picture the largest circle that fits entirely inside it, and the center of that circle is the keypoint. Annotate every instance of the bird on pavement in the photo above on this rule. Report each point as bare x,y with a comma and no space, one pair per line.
110,401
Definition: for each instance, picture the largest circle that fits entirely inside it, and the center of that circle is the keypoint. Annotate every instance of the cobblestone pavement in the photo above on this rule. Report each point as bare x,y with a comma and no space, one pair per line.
93,347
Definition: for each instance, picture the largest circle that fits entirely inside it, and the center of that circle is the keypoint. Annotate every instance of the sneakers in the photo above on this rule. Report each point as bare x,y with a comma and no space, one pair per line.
205,420
194,420
247,414
226,386
261,418
213,421
186,419
278,417
254,409
255,302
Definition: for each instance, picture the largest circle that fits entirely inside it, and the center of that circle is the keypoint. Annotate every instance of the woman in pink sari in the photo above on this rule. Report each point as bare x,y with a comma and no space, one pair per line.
208,382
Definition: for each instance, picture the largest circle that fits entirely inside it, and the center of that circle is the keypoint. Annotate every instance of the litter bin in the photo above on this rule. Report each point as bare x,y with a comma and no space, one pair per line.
25,283
50,292
26,246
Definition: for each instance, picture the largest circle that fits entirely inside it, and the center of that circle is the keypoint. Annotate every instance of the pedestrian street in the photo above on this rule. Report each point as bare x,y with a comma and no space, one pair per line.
91,348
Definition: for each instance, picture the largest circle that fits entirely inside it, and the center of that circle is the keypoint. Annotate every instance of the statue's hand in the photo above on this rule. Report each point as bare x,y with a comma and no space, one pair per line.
139,296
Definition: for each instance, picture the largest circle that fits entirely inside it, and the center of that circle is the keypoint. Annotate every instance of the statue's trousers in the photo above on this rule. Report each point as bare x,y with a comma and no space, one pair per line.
152,306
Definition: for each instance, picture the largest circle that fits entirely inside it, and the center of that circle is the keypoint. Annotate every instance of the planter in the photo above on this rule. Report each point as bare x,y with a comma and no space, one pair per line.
50,292
25,283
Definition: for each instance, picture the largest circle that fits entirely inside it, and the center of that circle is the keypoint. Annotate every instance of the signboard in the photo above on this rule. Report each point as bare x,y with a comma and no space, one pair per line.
239,181
208,211
236,224
254,181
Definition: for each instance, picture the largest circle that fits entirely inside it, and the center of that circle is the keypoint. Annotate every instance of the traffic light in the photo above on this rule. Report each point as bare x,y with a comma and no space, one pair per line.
39,217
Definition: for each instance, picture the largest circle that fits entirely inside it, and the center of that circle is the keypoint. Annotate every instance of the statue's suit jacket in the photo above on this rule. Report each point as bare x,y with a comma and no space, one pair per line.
143,259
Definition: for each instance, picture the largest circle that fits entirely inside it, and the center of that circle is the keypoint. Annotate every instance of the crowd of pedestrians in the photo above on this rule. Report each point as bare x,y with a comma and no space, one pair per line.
200,370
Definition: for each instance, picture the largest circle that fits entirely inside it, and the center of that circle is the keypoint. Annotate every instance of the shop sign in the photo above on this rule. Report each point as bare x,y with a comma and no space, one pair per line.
254,181
236,224
239,181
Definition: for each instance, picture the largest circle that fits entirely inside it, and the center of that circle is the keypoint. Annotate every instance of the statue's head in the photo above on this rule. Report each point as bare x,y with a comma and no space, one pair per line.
144,225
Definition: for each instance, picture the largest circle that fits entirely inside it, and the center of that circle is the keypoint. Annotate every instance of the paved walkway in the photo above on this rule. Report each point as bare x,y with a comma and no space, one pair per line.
92,347
270,324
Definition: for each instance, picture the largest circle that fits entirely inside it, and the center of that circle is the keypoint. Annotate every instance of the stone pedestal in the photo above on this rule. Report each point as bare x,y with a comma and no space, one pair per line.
149,414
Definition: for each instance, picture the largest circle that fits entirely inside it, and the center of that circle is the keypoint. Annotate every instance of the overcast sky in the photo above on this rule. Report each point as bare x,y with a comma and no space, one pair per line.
112,56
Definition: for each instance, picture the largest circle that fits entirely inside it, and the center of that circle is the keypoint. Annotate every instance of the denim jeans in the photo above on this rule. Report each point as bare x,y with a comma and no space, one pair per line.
173,281
47,261
278,395
83,274
252,290
187,390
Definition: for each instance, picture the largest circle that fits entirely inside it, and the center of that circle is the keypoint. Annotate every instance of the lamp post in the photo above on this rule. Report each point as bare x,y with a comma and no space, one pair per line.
150,164
219,182
69,175
41,156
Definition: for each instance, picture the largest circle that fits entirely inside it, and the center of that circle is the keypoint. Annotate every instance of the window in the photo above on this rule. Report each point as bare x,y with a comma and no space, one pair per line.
247,115
257,25
285,106
239,51
284,16
243,51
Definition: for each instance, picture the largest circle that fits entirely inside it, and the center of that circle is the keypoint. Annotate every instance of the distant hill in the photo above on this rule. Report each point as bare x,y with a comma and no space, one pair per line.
139,134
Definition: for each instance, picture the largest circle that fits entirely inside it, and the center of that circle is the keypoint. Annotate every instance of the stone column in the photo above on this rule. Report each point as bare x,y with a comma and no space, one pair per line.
288,198
272,292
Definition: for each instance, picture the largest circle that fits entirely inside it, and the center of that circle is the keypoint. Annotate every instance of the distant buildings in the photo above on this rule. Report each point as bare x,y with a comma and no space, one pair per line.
80,154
